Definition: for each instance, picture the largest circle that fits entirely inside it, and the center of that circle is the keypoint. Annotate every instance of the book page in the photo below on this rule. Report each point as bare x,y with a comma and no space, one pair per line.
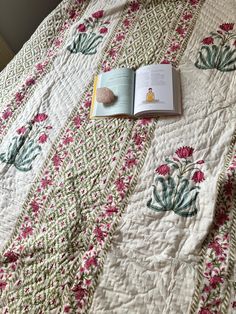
154,89
121,82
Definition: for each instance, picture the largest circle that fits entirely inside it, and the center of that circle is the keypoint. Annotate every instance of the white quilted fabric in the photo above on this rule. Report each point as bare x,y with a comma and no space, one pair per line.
151,267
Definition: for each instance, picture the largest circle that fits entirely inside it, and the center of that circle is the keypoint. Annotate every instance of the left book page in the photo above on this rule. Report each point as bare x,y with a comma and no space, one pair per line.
121,82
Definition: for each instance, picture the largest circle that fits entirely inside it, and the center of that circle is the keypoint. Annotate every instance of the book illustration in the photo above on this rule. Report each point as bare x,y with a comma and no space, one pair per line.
150,96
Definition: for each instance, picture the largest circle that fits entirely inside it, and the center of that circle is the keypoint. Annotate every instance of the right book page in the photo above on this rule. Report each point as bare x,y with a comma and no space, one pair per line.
156,90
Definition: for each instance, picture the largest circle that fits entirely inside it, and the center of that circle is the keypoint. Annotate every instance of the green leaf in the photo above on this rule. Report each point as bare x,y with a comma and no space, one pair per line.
2,157
151,206
171,187
188,203
188,213
27,156
157,197
179,195
164,190
14,148
214,54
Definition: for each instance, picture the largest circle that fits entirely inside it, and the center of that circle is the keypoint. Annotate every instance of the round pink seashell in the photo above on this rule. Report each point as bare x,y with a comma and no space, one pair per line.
105,95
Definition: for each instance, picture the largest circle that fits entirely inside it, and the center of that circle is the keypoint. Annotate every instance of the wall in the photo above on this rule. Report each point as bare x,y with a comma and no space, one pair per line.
20,18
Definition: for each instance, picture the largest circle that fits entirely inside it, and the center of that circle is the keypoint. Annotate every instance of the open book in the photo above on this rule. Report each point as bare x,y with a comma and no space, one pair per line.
152,90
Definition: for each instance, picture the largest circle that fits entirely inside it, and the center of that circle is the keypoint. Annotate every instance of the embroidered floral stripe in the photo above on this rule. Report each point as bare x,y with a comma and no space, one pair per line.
217,257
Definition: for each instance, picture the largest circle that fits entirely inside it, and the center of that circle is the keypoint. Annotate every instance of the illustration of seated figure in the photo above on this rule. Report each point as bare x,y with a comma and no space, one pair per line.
150,95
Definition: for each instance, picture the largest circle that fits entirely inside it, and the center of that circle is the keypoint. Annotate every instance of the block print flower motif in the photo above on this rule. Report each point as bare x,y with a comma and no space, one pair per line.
218,50
91,33
176,187
26,145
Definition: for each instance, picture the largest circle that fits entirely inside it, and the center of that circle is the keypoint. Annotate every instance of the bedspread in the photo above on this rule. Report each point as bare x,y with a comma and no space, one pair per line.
119,215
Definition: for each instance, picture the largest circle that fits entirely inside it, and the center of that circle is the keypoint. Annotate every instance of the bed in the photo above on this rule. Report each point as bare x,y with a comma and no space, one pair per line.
119,215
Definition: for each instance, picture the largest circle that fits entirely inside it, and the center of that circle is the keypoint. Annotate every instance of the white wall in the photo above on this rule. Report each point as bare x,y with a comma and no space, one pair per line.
20,18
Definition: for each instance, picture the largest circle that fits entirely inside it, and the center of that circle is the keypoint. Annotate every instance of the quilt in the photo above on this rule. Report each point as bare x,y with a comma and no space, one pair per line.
119,215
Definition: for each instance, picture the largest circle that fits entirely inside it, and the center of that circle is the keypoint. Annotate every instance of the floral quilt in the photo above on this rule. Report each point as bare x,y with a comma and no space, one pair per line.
119,215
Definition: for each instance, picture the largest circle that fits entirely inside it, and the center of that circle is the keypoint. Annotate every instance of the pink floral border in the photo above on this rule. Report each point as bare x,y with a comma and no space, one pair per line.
216,263
111,210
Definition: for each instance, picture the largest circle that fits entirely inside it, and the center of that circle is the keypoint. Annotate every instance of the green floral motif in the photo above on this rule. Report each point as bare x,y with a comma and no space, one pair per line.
91,33
217,51
85,43
24,148
176,189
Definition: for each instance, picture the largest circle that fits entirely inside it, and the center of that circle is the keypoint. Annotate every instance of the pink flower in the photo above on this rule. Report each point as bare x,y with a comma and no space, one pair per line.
134,6
110,210
208,41
207,289
67,140
180,30
130,162
120,37
103,30
184,152
40,67
77,121
80,293
216,247
227,27
163,169
57,42
217,302
165,61
138,139
188,16
2,284
198,176
67,309
43,138
126,22
30,81
45,182
98,14
90,262
11,256
204,310
72,14
27,231
35,206
112,52
174,47
81,28
200,162
221,218
6,114
145,121
193,2
228,188
87,104
215,280
19,97
234,43
99,234
120,185
21,130
40,117
56,160
88,282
